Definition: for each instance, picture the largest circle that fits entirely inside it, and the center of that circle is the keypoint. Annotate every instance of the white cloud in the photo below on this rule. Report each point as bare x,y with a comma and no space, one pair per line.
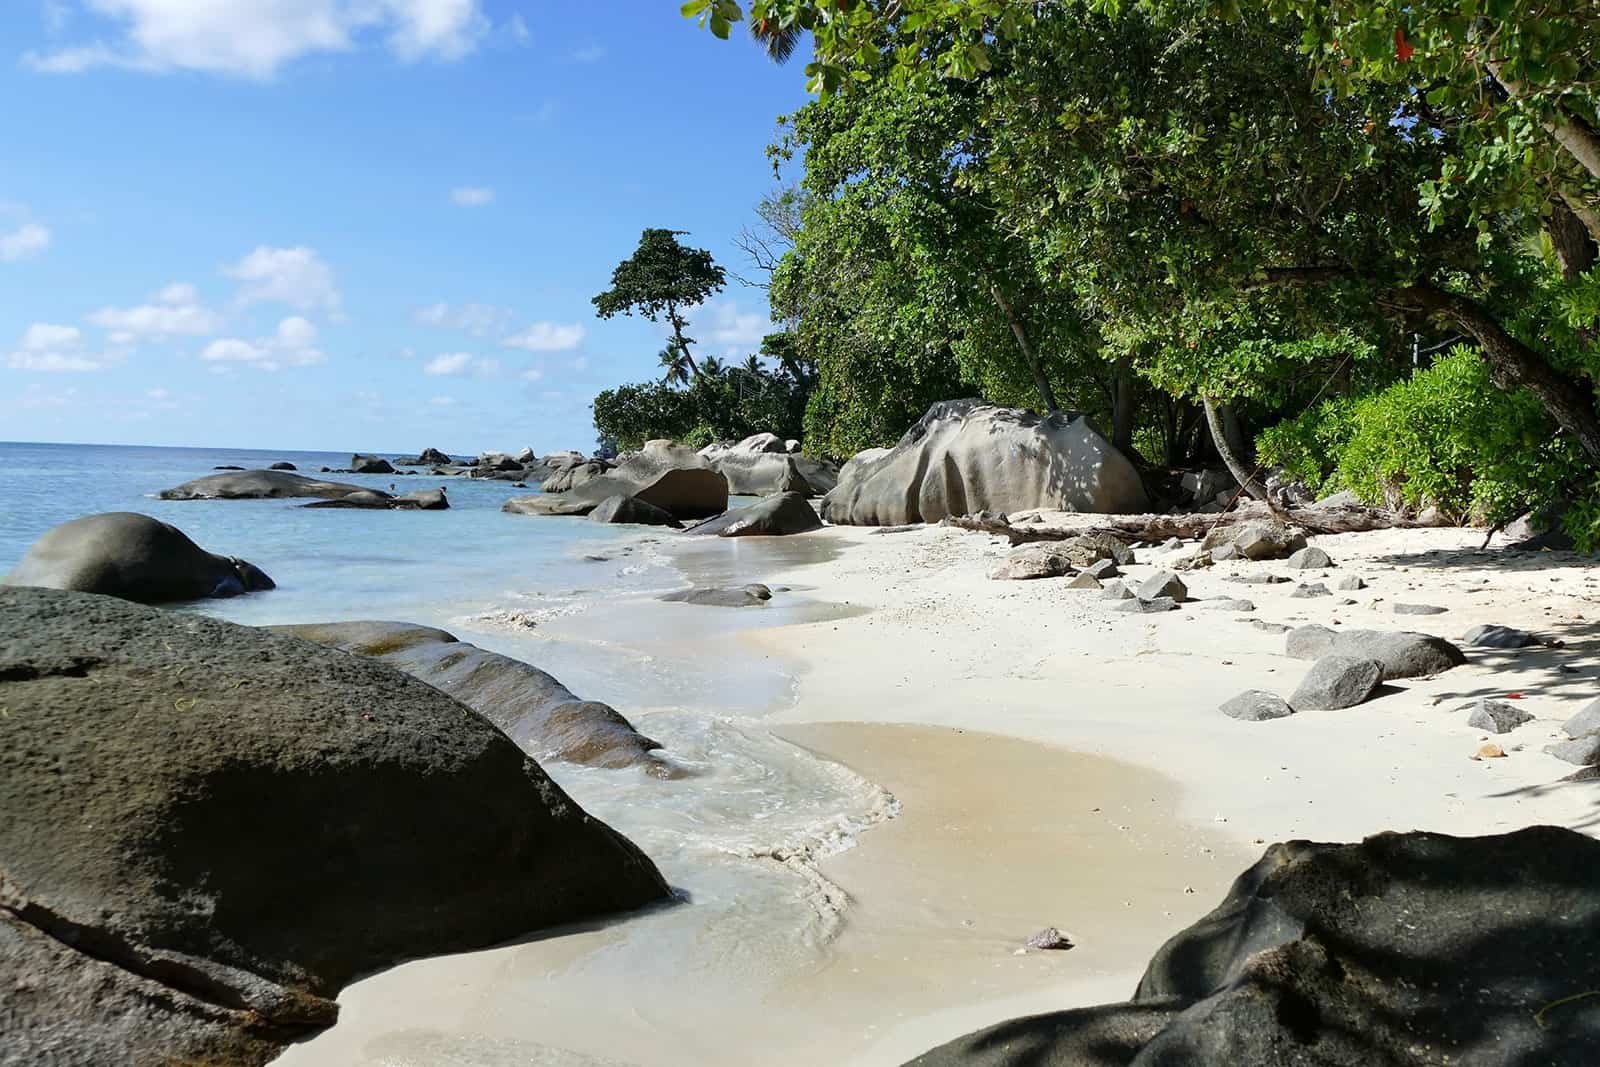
462,363
479,320
36,397
472,196
51,348
730,326
441,401
292,345
547,337
177,311
533,374
294,276
592,54
20,244
254,38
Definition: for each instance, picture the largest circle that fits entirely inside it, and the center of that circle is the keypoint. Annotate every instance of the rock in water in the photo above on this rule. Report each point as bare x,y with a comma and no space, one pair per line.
1256,705
1489,635
135,557
1256,539
256,820
281,465
628,509
1497,716
260,485
1336,682
1041,559
360,464
965,456
669,476
743,596
428,457
778,515
537,712
1405,950
1402,654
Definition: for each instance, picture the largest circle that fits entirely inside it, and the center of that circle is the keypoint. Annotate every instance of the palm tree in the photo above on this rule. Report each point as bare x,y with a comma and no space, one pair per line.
676,364
779,42
711,367
752,366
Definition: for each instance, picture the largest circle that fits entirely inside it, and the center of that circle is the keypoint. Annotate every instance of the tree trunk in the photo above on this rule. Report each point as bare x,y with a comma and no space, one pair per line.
680,340
1219,437
1122,406
1189,436
1570,238
1571,132
1569,401
1046,395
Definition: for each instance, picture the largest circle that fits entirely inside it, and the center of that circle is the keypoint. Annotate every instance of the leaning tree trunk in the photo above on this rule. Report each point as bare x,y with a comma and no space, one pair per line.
1219,437
1122,406
1046,394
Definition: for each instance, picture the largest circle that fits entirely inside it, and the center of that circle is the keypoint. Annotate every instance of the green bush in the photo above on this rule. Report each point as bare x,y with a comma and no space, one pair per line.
1445,437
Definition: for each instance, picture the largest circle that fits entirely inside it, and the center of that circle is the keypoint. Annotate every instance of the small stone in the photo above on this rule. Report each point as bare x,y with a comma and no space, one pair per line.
1271,627
1497,716
1255,579
1584,751
1228,604
1163,584
1336,682
1050,939
1171,544
1312,558
1040,560
1310,589
1224,552
1148,605
1116,591
1350,583
1103,569
1256,705
1489,751
1490,635
1418,609
1084,581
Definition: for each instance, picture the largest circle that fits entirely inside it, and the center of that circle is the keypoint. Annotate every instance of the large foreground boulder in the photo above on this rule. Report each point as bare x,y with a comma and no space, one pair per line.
761,465
134,557
1405,950
673,478
536,711
216,827
965,456
259,485
774,516
1401,654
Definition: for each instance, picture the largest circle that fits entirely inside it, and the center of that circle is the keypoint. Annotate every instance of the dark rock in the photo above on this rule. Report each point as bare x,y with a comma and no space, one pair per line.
744,596
1106,1036
231,467
282,465
1309,589
1402,654
255,820
1585,722
669,476
1336,682
1489,635
428,457
1309,559
1256,539
372,499
134,557
1418,609
966,456
259,485
360,464
1042,559
535,710
1584,751
627,509
1104,568
1256,705
1091,549
778,515
1163,584
1147,605
1497,716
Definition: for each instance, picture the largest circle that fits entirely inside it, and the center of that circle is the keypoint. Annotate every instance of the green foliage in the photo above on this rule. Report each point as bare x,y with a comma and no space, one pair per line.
662,279
1308,447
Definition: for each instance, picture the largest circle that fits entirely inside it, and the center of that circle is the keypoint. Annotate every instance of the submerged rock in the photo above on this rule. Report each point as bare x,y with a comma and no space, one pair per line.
743,596
255,821
134,557
360,464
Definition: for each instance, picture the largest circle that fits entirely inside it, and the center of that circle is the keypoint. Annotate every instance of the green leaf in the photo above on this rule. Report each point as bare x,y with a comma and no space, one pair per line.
720,26
693,8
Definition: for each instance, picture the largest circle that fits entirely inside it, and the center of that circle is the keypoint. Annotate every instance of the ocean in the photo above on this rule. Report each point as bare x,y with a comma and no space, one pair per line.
737,838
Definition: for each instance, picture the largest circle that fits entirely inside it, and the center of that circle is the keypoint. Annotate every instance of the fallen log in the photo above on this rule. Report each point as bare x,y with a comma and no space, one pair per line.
1343,518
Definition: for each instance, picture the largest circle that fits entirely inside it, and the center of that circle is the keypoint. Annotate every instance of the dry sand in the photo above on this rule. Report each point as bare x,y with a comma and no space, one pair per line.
1057,764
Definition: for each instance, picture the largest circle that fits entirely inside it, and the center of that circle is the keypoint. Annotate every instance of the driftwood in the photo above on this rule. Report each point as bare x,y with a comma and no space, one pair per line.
1344,518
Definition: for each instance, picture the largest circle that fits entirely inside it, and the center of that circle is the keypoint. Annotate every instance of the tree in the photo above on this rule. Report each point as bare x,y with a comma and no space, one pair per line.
662,279
675,366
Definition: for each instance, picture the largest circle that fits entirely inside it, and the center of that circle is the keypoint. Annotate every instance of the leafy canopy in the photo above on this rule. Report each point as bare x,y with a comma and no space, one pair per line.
661,277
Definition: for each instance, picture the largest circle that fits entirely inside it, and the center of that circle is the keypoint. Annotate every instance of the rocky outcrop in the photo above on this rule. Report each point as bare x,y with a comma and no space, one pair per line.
360,464
497,461
965,456
535,710
762,464
630,509
134,557
1405,950
665,474
428,457
259,485
574,475
254,821
775,516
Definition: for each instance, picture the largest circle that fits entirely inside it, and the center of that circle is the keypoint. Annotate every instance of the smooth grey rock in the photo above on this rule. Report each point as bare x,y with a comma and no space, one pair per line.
966,456
1255,539
1271,627
1497,716
1092,549
1163,584
360,464
1311,558
568,476
1042,559
1585,722
668,475
1258,579
1350,583
281,465
1116,591
1103,568
259,485
743,596
1147,605
255,820
1403,654
1584,751
1222,553
1336,682
628,510
372,499
1171,544
1256,705
1489,635
134,557
779,515
1084,581
1309,589
760,465
1228,604
1418,609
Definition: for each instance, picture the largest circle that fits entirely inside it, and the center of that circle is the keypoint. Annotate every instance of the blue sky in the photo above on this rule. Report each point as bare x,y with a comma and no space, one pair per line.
356,224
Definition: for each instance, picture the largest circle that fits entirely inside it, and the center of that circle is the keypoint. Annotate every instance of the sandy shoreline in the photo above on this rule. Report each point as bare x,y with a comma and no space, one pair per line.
1002,715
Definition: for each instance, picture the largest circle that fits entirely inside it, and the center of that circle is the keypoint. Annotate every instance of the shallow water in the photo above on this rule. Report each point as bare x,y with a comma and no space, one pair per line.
738,838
